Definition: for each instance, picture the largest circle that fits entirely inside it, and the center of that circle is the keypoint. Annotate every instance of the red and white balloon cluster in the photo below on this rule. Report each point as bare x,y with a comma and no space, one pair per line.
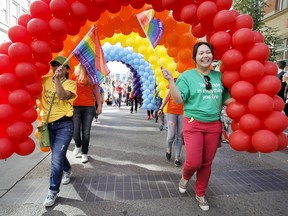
258,121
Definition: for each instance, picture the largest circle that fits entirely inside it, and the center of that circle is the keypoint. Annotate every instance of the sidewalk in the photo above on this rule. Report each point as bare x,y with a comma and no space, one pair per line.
128,174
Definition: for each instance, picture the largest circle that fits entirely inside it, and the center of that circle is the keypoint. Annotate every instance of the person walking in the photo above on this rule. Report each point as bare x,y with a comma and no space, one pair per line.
133,102
150,113
174,121
84,111
60,123
203,94
281,69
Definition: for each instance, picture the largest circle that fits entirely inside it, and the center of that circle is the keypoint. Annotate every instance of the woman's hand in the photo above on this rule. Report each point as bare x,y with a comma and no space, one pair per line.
60,72
167,74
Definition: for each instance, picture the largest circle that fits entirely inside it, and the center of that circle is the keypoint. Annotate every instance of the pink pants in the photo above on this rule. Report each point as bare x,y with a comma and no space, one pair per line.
201,142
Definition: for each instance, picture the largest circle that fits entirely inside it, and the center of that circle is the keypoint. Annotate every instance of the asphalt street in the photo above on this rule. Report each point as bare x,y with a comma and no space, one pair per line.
128,174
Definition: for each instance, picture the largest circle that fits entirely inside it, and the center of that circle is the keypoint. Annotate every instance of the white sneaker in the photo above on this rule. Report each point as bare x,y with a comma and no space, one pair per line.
203,203
76,151
50,200
66,177
84,158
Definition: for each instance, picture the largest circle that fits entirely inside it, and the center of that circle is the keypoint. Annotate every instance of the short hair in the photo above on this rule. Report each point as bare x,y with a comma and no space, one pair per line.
281,64
196,47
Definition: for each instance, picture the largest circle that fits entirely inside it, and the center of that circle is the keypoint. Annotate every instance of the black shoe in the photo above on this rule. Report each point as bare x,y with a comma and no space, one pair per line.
168,155
178,163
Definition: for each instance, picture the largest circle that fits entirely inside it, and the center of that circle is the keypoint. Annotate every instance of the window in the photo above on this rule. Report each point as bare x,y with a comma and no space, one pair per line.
3,12
14,13
282,4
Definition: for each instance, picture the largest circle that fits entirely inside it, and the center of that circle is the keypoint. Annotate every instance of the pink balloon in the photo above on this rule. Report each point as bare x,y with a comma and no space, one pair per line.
275,122
232,59
240,141
265,141
261,105
252,71
250,123
242,91
269,85
235,110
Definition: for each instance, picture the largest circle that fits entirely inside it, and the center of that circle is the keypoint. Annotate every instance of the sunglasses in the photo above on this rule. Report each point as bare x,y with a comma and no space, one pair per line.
55,64
207,82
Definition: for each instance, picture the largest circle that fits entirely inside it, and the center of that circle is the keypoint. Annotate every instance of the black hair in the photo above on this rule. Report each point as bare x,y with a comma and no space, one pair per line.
281,64
196,47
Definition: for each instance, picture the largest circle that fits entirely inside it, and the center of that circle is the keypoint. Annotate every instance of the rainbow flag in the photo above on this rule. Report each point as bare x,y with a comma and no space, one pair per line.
90,54
153,28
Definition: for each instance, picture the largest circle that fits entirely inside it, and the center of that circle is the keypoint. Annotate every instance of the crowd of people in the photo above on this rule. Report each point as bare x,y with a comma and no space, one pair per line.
191,113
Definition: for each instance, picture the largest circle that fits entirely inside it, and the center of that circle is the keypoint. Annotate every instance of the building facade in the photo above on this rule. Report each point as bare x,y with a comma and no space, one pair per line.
10,10
277,17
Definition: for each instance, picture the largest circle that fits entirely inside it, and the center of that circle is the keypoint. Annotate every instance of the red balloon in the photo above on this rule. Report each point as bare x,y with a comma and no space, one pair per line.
229,78
137,4
6,113
250,123
221,41
26,72
3,96
188,13
20,52
79,10
58,27
56,44
35,88
242,91
6,64
18,131
243,39
224,4
9,81
25,148
269,85
240,141
278,103
40,9
199,30
243,21
93,13
38,28
168,4
252,71
60,8
235,110
113,6
283,141
42,68
270,68
232,59
206,11
24,19
73,26
261,105
41,50
6,148
235,126
157,5
275,122
259,51
258,37
29,116
177,14
265,141
19,33
223,20
19,98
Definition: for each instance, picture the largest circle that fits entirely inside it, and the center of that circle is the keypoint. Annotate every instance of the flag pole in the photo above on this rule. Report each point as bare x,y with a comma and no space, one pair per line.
72,53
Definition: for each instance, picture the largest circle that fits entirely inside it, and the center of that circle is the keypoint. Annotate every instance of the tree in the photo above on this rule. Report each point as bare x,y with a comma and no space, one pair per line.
256,9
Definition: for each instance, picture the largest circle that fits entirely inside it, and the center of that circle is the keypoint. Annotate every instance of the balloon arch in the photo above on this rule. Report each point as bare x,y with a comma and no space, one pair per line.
55,27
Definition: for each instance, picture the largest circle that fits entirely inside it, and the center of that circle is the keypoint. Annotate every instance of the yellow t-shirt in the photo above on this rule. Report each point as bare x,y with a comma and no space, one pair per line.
60,108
